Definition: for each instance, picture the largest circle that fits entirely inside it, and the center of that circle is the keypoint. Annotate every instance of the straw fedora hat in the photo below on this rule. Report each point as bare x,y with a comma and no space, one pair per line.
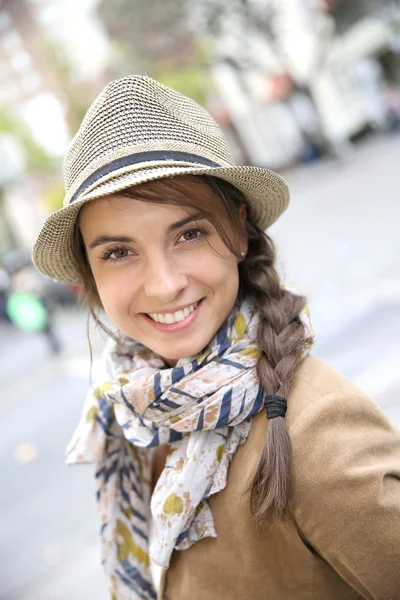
138,130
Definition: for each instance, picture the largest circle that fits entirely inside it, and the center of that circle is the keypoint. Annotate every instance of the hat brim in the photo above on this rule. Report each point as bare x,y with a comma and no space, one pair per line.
265,191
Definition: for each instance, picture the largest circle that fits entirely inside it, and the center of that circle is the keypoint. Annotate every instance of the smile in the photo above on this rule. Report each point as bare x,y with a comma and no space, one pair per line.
175,321
174,317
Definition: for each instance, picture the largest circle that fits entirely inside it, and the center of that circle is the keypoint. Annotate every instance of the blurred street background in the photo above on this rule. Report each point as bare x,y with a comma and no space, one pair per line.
310,88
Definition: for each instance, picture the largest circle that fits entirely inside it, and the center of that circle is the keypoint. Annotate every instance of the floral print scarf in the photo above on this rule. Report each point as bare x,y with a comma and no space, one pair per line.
202,408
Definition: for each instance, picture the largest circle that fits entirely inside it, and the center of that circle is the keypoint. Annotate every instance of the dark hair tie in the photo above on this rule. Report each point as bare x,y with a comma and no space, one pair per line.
276,406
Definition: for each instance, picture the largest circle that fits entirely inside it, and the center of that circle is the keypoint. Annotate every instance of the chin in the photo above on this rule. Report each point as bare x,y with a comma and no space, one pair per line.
174,354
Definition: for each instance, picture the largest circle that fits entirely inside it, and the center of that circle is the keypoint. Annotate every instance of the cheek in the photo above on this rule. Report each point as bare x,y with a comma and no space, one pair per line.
115,294
220,274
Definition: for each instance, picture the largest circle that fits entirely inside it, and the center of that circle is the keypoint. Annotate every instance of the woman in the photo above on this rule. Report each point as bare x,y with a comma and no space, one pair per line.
226,454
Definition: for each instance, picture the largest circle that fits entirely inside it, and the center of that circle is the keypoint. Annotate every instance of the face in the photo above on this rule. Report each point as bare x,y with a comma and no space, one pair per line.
164,276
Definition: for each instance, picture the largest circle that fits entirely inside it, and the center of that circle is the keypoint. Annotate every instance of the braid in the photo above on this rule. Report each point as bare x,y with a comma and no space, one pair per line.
282,337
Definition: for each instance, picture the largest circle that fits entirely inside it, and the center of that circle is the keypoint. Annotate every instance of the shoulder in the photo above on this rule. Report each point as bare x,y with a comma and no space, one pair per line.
332,423
322,400
316,385
327,411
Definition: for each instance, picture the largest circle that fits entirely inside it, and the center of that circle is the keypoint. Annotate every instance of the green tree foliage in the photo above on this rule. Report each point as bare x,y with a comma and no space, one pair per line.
155,37
53,195
38,160
151,30
191,80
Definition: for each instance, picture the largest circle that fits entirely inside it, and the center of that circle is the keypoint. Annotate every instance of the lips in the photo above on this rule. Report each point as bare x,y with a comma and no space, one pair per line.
176,325
173,316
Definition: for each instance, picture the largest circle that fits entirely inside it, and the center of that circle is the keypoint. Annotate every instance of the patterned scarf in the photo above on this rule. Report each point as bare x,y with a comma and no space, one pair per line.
202,408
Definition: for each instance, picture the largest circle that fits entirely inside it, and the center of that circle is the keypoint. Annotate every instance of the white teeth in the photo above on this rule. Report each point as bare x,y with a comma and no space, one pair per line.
169,318
179,316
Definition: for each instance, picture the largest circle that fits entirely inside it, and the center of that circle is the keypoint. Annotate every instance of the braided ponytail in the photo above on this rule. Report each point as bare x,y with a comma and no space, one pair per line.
282,337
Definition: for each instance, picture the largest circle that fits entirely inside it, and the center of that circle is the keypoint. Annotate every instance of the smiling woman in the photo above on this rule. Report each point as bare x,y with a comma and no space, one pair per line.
226,455
164,268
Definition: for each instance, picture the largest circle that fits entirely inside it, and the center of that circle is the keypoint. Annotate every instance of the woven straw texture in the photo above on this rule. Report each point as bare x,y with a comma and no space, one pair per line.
132,116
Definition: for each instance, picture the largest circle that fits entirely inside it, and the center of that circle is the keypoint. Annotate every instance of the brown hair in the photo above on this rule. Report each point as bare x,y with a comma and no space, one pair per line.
282,335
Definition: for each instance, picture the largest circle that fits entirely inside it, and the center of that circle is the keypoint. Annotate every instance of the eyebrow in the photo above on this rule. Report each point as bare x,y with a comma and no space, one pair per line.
106,239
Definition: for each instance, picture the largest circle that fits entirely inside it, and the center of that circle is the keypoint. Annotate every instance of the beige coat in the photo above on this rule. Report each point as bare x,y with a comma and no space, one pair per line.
341,538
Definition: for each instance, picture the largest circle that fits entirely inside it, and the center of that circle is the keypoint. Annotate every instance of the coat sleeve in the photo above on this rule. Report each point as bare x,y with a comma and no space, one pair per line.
346,489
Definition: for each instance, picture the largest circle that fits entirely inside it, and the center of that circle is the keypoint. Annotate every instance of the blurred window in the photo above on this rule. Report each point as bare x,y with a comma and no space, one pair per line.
20,60
4,69
9,93
5,21
11,41
49,14
31,81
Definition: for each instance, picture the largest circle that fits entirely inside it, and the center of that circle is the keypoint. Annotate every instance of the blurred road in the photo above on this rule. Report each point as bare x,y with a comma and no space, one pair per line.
340,244
48,524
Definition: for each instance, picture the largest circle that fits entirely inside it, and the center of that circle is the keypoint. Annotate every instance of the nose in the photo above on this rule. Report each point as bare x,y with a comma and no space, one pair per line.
163,279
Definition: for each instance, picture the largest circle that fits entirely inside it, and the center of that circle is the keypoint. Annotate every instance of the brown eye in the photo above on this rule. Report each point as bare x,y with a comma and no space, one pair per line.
196,234
116,254
119,253
190,234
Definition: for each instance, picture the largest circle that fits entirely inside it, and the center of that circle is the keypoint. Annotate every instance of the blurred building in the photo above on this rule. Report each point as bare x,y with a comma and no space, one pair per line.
384,47
31,85
77,35
45,47
362,65
306,77
31,93
53,56
264,62
26,68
